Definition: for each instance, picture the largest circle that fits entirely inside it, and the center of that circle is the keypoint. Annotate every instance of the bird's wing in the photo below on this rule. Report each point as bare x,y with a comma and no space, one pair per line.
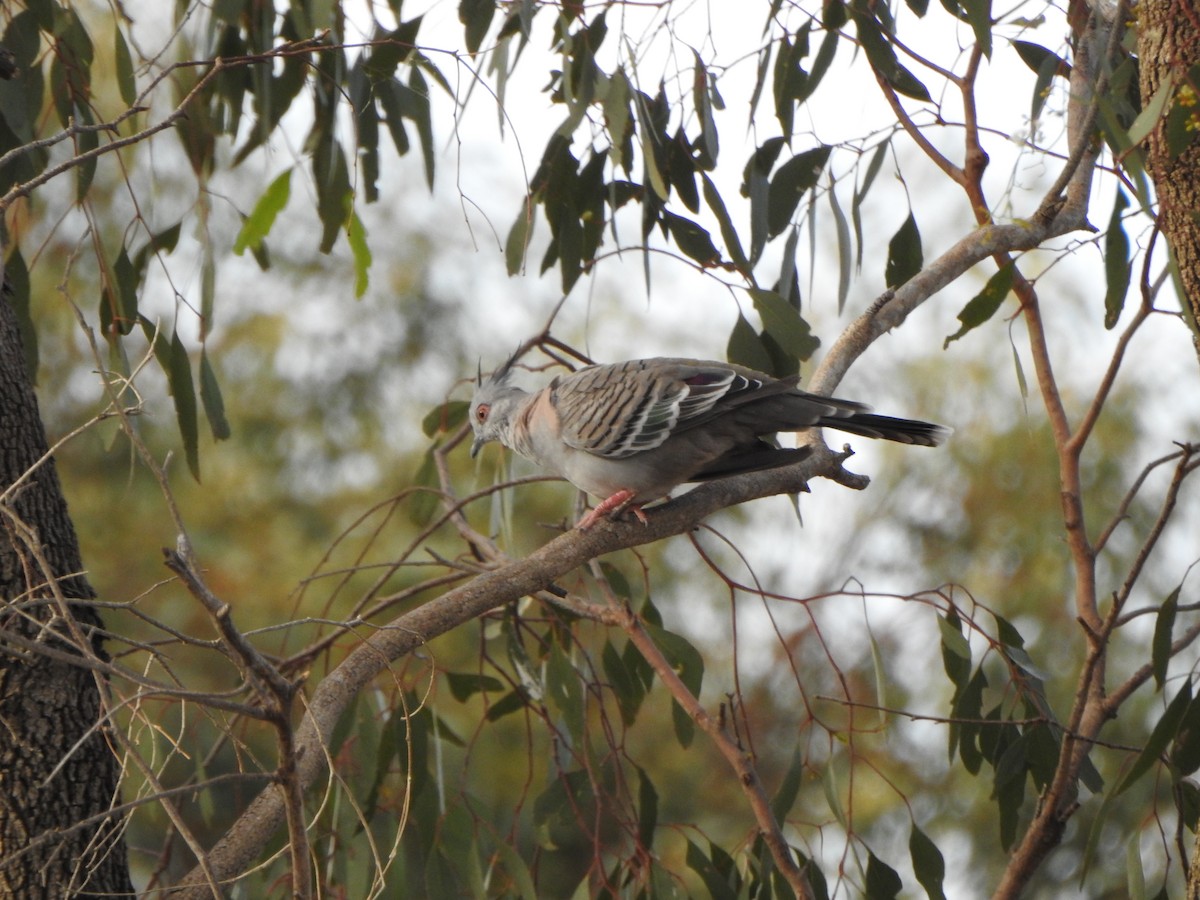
622,409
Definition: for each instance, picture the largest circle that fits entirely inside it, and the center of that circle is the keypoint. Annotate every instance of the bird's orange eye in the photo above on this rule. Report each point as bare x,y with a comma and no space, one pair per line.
481,412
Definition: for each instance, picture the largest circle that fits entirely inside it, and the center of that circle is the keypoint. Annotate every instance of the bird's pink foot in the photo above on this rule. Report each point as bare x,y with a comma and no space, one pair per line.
614,505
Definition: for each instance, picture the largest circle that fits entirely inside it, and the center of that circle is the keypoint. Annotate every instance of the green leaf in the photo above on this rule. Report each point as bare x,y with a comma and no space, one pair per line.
689,665
1160,646
421,115
258,224
356,236
458,845
764,66
476,17
784,362
161,242
119,310
745,347
983,305
1036,56
1012,764
564,690
967,732
627,689
860,194
789,77
1117,266
883,58
829,786
794,178
390,48
789,788
1185,748
332,183
820,66
1187,801
208,287
445,417
1041,752
366,122
904,259
692,239
424,504
1022,383
844,247
464,685
928,864
834,14
517,871
85,141
788,283
783,322
210,398
733,243
979,15
439,876
518,238
647,810
179,378
709,145
1135,877
882,881
1164,732
1152,112
1095,831
649,134
756,185
717,883
954,645
881,678
511,702
1009,790
560,808
124,67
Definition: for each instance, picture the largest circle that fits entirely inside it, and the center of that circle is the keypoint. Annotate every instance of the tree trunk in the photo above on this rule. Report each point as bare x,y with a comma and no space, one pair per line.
1168,46
58,770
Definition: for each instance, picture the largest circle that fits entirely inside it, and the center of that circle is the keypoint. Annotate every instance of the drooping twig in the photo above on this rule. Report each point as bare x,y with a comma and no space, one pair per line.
277,695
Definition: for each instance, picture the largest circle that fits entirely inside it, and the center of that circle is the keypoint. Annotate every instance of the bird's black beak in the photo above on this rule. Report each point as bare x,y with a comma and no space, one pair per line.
476,445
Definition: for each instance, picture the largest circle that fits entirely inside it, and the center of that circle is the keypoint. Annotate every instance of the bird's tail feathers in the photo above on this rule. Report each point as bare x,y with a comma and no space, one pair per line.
889,428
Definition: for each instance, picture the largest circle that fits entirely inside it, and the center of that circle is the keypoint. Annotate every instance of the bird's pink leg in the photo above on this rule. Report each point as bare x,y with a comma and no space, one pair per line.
621,500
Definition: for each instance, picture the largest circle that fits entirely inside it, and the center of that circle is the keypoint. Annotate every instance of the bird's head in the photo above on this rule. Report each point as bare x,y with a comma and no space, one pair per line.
493,406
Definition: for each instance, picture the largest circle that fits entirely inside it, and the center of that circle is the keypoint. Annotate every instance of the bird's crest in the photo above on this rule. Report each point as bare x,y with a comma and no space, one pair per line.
501,374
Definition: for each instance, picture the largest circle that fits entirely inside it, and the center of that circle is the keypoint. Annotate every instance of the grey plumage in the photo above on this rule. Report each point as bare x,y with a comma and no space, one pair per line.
632,431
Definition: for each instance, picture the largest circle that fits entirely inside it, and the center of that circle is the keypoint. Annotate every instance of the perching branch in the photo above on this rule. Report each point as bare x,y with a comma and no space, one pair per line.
242,845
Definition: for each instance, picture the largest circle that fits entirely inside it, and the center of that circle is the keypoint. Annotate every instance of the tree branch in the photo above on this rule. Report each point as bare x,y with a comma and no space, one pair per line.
242,845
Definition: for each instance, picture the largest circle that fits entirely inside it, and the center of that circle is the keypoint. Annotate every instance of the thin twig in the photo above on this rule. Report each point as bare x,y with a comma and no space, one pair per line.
740,761
277,694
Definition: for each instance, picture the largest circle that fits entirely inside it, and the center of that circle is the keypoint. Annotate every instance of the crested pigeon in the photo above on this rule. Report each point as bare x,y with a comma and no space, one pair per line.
630,432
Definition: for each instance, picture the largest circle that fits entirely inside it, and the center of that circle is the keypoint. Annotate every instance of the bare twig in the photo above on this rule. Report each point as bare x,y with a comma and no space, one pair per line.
739,760
277,694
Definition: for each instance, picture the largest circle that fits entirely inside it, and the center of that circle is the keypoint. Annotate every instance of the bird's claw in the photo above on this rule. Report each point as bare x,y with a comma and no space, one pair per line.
612,507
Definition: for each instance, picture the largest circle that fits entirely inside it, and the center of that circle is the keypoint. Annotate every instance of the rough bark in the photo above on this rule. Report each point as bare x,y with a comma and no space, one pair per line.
1169,46
57,767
